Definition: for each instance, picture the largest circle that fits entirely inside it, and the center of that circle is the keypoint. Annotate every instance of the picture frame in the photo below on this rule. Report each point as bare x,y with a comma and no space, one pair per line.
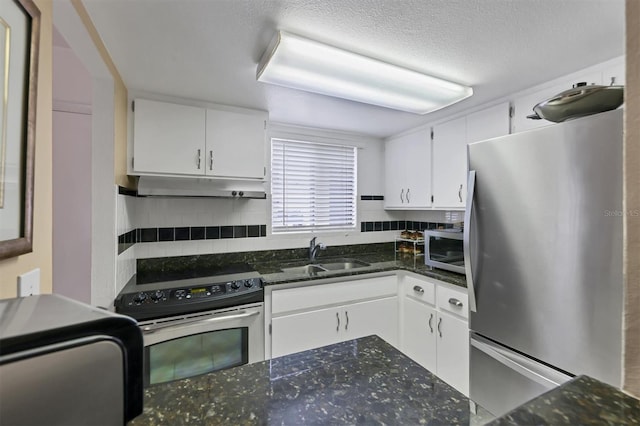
19,53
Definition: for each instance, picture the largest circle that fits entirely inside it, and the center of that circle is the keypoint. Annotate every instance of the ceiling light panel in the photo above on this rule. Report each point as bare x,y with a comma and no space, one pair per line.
300,63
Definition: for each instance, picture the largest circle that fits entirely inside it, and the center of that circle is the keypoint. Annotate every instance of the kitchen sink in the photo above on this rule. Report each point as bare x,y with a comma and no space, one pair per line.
343,264
304,270
329,266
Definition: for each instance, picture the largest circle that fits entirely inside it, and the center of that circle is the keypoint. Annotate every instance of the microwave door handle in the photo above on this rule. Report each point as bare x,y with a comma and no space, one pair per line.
192,321
471,186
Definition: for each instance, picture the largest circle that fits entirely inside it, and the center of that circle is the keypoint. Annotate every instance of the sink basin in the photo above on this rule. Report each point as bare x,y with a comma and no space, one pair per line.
328,266
343,264
305,270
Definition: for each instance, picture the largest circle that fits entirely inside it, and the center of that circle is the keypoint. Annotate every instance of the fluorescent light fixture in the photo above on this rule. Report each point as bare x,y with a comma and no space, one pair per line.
300,63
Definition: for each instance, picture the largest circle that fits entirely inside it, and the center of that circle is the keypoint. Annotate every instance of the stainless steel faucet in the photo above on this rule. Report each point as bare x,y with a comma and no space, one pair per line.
313,249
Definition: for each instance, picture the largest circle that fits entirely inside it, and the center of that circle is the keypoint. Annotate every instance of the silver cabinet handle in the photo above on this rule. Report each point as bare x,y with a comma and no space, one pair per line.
346,315
460,193
210,160
468,270
455,302
439,322
418,289
401,194
338,318
430,326
408,200
199,158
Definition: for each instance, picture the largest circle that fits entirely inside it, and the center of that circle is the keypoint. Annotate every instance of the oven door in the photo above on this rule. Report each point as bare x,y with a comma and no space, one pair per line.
191,345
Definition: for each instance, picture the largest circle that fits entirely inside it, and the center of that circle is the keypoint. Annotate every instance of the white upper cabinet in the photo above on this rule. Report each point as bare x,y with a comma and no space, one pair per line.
408,171
168,138
235,144
425,173
172,139
449,164
488,123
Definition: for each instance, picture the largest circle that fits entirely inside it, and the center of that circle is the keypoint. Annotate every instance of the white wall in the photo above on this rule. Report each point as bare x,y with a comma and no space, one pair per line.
126,260
71,176
103,195
176,212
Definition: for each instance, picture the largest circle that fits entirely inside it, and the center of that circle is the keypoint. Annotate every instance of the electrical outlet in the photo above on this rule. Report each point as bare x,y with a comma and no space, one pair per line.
29,283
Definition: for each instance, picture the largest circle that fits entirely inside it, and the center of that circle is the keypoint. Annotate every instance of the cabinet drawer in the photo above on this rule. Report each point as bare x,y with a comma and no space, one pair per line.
455,301
424,291
302,298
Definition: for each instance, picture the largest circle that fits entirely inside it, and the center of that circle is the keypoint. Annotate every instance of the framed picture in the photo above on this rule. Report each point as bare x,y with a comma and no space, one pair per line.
19,43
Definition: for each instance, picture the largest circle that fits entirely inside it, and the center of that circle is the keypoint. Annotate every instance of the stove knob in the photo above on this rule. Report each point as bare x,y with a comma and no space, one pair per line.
139,298
248,283
157,295
235,285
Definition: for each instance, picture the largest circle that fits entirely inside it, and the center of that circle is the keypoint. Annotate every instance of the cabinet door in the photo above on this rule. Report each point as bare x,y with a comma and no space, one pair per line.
394,169
488,123
450,164
308,330
418,169
408,171
453,351
419,335
168,138
235,144
373,317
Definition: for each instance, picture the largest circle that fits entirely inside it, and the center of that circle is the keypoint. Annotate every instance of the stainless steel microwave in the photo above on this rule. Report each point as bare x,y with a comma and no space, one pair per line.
443,249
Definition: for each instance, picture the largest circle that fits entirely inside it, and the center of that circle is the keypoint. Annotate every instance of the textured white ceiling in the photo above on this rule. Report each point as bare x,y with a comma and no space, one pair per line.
208,49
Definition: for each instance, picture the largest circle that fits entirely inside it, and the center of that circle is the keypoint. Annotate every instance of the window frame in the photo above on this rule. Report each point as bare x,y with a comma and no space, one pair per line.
288,230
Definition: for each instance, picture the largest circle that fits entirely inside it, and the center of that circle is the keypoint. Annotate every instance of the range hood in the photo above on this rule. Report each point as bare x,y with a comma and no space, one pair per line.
162,186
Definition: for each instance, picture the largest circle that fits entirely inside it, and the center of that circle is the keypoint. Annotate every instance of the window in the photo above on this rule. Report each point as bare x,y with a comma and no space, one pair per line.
313,186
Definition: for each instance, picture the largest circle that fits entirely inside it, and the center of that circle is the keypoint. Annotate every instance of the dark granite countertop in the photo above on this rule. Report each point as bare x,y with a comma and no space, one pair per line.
269,263
378,262
362,381
581,401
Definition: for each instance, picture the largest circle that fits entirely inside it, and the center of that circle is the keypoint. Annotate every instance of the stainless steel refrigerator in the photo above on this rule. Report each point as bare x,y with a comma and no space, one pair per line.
543,259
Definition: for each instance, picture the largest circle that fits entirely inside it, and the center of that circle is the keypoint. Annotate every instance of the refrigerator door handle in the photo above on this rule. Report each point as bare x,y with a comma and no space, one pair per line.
527,368
471,186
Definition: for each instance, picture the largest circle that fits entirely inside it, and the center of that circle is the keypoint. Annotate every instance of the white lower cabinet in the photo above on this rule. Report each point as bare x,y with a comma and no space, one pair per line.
321,327
453,351
431,317
437,336
342,311
419,333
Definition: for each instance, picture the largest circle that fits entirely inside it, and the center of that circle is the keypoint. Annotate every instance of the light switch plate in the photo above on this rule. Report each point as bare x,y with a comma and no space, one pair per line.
29,283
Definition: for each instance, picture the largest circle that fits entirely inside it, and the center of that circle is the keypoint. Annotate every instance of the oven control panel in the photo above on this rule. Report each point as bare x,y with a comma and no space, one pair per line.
142,304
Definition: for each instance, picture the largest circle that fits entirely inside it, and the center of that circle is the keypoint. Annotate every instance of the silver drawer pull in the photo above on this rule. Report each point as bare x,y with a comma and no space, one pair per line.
418,289
455,302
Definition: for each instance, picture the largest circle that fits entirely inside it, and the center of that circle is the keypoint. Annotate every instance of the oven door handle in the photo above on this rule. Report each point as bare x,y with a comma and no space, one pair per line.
147,329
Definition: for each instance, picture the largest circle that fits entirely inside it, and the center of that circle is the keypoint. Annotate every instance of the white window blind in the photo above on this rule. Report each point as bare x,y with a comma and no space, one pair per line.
313,186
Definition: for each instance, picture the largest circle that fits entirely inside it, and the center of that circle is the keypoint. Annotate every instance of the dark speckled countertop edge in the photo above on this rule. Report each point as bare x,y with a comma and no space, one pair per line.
376,267
582,400
273,274
380,258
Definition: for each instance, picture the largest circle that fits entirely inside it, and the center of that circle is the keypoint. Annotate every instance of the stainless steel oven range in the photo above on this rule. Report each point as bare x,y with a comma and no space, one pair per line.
197,325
